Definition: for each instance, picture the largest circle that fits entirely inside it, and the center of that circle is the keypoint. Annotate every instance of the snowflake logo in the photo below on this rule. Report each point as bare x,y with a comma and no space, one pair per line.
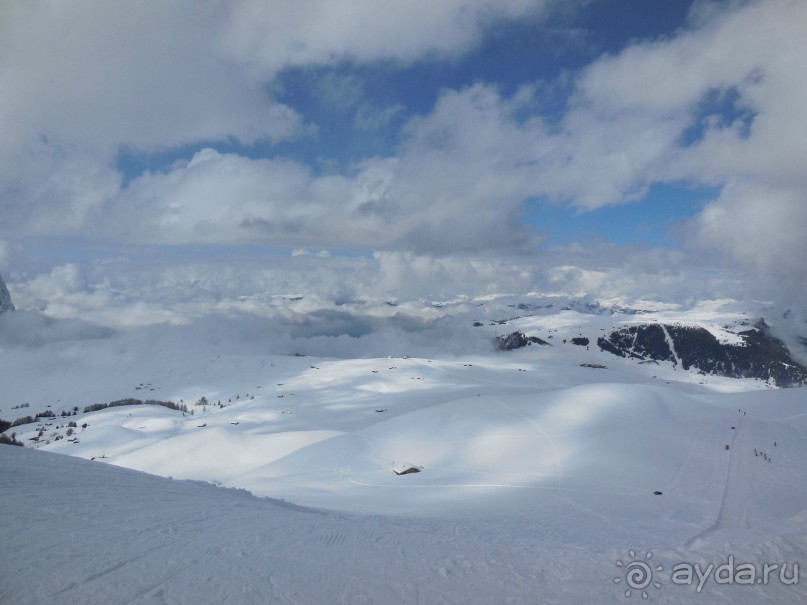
638,574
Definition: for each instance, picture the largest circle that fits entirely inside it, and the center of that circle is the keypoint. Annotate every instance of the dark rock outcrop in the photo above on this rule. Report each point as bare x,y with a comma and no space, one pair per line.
5,297
511,342
517,340
760,355
646,341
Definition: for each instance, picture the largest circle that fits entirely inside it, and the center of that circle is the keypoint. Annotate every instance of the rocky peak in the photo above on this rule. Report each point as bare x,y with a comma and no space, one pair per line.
517,340
5,297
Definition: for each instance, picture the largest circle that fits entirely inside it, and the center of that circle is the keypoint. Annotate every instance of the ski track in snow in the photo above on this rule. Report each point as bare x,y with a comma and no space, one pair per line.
671,344
561,495
731,513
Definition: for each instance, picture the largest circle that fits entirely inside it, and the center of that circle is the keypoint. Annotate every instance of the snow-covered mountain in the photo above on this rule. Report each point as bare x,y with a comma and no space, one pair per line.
741,350
755,353
541,467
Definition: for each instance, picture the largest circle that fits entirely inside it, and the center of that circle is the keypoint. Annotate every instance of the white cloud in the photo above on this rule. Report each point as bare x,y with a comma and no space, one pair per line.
648,97
85,79
464,170
104,74
157,287
426,200
629,274
408,275
763,229
227,198
63,280
627,123
631,111
303,252
272,35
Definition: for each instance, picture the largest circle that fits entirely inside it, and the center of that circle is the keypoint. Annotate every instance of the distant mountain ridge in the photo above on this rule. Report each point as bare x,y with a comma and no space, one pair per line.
5,297
718,341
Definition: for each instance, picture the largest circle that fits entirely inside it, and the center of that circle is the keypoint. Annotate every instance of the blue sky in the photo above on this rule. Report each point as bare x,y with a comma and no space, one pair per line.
418,136
652,222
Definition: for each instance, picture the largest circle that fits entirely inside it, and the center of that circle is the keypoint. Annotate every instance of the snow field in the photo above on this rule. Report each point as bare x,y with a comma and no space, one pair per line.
537,475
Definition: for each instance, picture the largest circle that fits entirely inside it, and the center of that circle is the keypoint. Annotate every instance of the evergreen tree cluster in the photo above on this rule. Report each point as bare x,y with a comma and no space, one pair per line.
132,401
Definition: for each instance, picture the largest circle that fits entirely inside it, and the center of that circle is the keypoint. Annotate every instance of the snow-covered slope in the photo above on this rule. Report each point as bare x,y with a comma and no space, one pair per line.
539,468
80,532
86,532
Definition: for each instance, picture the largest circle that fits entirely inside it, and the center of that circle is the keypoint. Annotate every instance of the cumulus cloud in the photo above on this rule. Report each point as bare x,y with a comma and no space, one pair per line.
463,171
430,199
645,115
86,79
65,293
228,198
754,52
629,274
472,160
761,228
408,275
62,281
745,57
